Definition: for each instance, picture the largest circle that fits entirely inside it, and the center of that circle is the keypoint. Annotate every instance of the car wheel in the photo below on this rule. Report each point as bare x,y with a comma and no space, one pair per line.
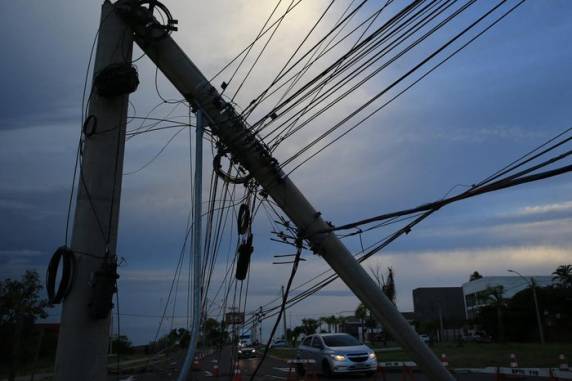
370,374
300,371
326,370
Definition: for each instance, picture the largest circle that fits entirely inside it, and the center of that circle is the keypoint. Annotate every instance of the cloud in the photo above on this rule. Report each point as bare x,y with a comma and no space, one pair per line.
546,208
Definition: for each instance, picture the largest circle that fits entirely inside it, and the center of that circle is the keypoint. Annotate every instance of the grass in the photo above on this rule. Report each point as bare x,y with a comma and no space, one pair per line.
476,355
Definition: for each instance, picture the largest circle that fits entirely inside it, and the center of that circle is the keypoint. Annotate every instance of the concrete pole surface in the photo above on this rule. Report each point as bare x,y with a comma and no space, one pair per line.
537,308
197,251
284,318
83,341
246,148
532,285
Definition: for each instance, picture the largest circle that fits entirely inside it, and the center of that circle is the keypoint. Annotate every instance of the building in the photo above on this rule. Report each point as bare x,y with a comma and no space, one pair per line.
474,291
439,304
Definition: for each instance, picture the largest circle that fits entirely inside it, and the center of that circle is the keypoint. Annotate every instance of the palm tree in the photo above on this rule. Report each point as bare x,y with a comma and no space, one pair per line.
563,276
494,297
330,321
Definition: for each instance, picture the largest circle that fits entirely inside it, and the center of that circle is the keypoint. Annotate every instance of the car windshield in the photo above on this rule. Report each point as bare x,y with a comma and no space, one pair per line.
340,341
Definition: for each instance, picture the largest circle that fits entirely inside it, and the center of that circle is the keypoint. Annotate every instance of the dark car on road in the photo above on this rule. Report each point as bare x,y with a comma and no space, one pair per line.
246,352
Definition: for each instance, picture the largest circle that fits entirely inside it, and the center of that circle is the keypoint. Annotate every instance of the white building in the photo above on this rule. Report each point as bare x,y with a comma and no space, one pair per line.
511,285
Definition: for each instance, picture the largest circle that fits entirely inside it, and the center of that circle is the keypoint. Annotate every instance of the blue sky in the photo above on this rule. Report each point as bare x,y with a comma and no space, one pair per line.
502,96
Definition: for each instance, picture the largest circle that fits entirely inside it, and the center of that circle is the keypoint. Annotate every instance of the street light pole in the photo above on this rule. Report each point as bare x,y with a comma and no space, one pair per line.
532,284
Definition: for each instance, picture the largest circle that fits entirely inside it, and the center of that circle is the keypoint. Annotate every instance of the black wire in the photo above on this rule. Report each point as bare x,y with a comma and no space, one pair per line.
331,67
312,60
156,156
254,42
68,217
259,55
319,56
410,86
362,67
251,46
302,43
283,72
393,84
322,136
475,191
513,180
515,164
277,322
183,100
290,130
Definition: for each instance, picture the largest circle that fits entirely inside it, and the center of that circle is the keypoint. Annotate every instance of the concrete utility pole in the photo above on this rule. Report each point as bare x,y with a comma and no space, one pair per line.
253,155
197,251
532,285
83,339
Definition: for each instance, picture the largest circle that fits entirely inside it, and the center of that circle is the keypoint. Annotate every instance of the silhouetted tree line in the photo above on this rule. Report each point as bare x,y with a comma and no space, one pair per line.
515,319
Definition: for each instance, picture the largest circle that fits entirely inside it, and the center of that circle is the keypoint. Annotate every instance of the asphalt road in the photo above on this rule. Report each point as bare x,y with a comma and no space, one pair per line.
274,369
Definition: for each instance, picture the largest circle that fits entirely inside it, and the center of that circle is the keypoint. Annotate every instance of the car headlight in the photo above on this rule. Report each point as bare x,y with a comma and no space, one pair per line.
254,350
338,357
372,356
239,351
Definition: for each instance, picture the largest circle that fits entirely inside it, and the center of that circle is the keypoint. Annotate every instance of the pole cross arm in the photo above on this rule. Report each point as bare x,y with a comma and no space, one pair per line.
250,152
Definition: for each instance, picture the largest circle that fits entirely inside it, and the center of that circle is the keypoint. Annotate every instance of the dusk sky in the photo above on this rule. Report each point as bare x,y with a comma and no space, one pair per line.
502,96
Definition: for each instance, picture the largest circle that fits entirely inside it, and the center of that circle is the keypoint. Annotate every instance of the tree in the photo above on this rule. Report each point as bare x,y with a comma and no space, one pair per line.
389,286
214,332
474,276
293,334
20,306
563,276
310,326
330,321
495,302
121,345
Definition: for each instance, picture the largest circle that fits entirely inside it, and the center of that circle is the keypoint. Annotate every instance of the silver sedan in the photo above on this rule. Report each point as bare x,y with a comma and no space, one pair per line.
336,353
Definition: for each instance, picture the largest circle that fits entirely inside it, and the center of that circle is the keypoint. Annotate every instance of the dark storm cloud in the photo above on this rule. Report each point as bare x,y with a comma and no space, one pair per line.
43,72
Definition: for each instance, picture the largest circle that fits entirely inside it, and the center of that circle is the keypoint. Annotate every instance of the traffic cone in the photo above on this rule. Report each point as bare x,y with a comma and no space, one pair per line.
513,361
196,365
216,372
563,363
236,375
444,360
380,371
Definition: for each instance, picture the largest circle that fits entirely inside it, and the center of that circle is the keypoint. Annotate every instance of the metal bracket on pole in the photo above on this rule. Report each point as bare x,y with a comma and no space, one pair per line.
247,149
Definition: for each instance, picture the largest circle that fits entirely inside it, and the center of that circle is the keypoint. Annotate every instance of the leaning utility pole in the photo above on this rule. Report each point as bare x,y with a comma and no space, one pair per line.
246,149
84,330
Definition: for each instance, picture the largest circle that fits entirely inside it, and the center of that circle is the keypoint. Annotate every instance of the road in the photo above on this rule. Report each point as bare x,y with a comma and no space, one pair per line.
274,369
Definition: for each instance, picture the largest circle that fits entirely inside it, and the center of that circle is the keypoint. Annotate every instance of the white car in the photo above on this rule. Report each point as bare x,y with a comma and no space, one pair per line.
280,343
337,353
